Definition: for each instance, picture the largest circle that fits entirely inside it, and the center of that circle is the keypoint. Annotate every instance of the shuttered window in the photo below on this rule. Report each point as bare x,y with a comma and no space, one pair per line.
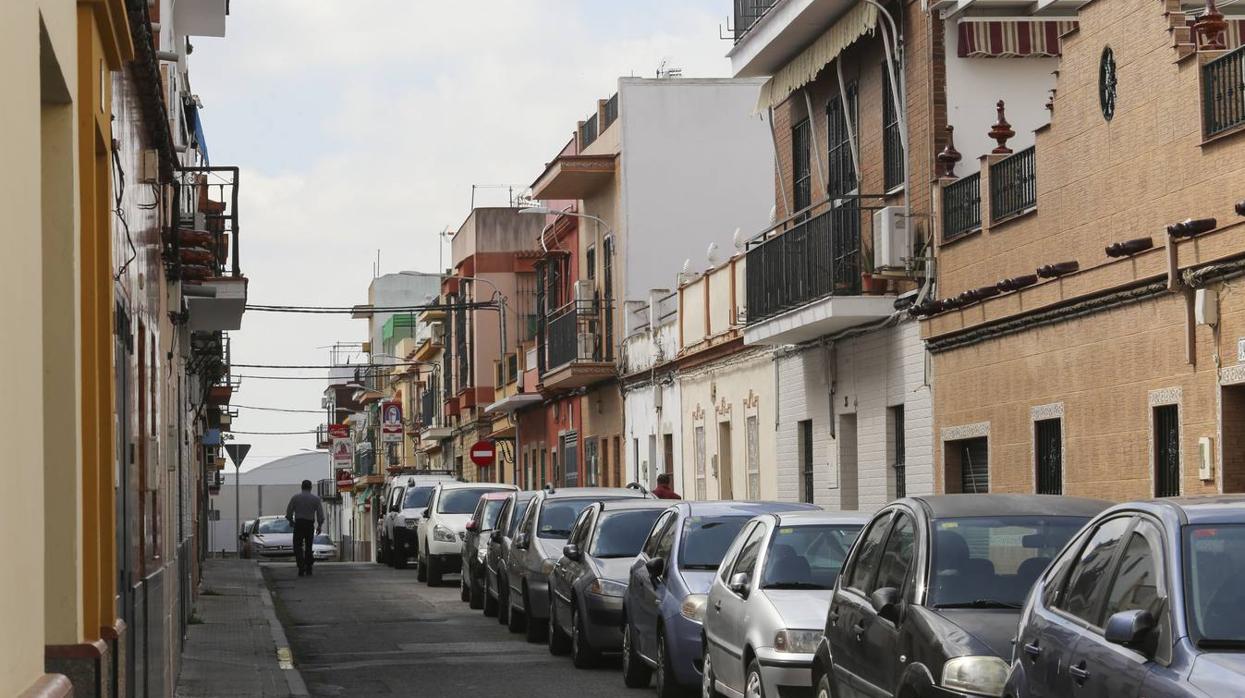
801,165
974,466
1048,442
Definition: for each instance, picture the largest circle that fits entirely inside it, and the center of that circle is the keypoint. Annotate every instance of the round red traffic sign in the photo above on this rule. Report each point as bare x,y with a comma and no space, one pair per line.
483,452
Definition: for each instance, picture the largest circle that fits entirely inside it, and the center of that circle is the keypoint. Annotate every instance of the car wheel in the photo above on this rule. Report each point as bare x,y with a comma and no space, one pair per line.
753,687
515,620
708,689
421,573
397,559
434,572
492,604
636,674
582,654
823,687
559,641
535,630
475,592
667,685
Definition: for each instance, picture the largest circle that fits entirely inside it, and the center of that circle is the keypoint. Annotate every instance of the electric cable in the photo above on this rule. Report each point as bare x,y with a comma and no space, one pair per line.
277,409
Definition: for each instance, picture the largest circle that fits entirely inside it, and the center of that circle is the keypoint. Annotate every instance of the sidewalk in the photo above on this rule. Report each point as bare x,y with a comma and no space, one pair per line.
239,648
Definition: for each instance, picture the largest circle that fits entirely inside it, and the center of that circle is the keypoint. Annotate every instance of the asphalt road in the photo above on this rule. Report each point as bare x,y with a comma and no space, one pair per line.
363,629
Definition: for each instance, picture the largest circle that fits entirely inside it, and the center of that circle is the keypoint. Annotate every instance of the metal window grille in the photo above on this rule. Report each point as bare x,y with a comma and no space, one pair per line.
892,144
806,461
611,112
588,132
816,258
607,274
801,165
901,452
974,466
699,443
1013,185
961,207
1223,98
1048,440
1167,451
752,433
841,174
748,12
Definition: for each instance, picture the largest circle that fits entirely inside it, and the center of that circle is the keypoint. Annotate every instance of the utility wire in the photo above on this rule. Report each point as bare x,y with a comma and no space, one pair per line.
277,409
329,310
392,365
272,433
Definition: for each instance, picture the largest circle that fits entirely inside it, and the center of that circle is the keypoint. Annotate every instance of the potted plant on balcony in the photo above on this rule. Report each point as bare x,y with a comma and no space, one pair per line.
870,285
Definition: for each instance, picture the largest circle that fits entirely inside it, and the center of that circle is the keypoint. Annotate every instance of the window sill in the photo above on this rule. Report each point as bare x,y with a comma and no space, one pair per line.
894,191
1014,217
962,236
1223,135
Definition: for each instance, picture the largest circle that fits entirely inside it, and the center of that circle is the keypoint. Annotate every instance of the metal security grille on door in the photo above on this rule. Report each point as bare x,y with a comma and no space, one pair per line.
1166,451
1048,437
974,466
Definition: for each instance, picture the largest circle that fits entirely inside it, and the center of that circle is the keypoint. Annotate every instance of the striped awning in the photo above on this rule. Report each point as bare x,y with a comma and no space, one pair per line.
1012,39
804,68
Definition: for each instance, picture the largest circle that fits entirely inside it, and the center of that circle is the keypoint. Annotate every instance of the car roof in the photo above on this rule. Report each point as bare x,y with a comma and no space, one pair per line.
633,503
728,508
455,485
1211,509
809,518
957,505
268,518
590,492
497,495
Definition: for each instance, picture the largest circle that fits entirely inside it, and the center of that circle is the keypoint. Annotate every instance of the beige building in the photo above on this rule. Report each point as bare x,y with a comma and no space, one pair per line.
1088,339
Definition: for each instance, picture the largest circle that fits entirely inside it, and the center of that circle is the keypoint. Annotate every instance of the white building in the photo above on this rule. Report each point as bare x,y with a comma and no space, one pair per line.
651,402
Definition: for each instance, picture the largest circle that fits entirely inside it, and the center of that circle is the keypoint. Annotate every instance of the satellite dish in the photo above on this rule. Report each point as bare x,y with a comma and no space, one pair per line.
687,266
711,254
773,214
738,240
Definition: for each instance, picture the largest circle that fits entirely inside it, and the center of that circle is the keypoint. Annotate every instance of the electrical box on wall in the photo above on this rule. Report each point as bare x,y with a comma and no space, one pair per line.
1206,307
1206,458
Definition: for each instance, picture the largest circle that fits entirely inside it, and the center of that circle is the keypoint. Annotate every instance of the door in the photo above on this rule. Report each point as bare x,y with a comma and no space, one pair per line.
643,591
566,571
844,632
880,639
733,612
1045,643
726,489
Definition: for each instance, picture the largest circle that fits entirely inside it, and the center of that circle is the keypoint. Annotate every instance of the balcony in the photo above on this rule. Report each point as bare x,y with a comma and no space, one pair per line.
769,33
1013,185
1223,93
575,177
805,281
961,207
574,353
202,249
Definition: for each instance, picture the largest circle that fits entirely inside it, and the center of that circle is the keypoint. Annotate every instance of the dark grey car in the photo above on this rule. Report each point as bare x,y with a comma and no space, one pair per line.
588,583
1147,600
476,537
497,560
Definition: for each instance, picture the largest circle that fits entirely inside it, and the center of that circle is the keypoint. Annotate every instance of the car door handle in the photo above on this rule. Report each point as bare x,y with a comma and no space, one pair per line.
834,617
717,605
1078,672
1033,649
859,629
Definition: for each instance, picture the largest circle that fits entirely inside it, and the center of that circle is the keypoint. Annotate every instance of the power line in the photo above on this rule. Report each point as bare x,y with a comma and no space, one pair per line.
329,310
272,433
326,366
277,409
284,378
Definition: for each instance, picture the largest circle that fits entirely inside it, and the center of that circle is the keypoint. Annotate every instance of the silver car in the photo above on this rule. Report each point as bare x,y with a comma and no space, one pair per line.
272,536
323,549
767,605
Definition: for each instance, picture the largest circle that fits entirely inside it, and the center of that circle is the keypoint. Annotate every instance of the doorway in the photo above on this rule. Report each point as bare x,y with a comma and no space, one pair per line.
849,470
726,488
1232,431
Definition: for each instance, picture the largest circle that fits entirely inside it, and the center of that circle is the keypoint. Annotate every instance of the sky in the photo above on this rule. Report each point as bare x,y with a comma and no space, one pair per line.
360,128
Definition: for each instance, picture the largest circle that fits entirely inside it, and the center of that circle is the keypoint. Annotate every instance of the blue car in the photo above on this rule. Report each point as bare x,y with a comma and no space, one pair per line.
1146,600
668,587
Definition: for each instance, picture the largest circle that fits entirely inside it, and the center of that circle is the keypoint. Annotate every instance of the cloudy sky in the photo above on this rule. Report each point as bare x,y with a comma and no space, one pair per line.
361,127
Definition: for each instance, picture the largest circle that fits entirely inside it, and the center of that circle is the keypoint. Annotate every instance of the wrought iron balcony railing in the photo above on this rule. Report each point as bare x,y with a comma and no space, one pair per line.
611,112
813,259
573,334
1223,99
1013,185
204,241
961,207
748,13
588,132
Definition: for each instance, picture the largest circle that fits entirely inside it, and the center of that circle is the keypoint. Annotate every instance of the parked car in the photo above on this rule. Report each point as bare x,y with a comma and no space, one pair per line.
475,546
323,548
538,545
930,597
668,585
271,537
587,585
496,563
1146,600
402,544
442,526
769,600
245,536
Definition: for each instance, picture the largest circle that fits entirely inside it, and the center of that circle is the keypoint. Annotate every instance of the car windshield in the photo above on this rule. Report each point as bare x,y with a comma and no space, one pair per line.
558,515
807,557
461,501
275,526
492,507
993,561
705,540
417,497
1215,597
622,533
322,540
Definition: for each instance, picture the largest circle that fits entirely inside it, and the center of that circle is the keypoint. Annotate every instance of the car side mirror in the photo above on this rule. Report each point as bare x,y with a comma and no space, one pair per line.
472,525
1129,628
521,541
885,602
427,512
241,536
495,536
740,581
571,551
656,568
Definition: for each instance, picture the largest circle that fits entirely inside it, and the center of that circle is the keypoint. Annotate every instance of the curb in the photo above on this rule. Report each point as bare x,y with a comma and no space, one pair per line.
285,658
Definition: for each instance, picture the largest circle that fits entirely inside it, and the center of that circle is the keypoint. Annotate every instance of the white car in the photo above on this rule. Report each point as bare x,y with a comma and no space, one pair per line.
323,549
442,526
408,496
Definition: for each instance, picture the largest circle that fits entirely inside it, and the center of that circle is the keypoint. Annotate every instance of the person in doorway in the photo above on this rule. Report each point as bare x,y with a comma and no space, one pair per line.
305,512
663,490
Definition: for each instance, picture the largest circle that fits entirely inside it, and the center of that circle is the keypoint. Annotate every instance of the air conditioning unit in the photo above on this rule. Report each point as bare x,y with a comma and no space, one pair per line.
586,344
584,291
438,333
892,238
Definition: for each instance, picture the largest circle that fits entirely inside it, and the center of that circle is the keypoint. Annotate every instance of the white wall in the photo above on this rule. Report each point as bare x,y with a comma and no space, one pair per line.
402,288
973,87
644,420
696,164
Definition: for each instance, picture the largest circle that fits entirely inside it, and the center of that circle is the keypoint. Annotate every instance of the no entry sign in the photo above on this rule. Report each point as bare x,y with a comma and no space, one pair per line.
483,452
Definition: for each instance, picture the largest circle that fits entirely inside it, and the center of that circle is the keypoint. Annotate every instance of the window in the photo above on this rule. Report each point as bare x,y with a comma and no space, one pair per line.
620,534
608,282
1048,442
570,459
1085,586
654,536
579,531
842,170
544,476
753,437
460,501
665,544
618,460
807,557
728,562
706,540
591,261
635,451
667,446
746,563
1167,451
602,476
892,144
897,436
701,486
897,556
1214,596
1136,584
869,554
417,497
558,516
517,516
801,170
967,466
805,432
591,465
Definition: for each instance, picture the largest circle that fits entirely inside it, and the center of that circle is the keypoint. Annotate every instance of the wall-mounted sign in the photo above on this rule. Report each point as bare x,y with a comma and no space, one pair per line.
391,422
345,479
339,431
343,453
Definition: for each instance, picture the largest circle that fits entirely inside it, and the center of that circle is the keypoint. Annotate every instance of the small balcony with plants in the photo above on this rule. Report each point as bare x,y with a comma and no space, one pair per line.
202,248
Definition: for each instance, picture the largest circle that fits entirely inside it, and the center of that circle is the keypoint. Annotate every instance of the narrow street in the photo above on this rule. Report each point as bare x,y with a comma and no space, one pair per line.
362,629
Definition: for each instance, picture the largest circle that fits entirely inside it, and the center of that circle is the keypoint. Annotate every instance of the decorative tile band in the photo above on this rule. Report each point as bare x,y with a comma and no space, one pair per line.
1043,412
1232,375
1166,396
966,431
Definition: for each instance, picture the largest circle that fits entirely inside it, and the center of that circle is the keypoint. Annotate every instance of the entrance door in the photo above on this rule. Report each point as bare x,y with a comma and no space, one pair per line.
1232,427
726,488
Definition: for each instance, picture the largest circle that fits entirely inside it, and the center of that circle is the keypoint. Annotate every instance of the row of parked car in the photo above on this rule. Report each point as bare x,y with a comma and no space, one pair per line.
955,595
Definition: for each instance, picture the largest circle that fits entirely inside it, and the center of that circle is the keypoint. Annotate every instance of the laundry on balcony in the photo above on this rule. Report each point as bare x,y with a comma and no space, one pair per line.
988,38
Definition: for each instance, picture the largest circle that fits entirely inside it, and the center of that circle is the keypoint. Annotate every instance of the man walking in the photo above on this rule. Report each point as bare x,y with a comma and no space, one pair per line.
305,513
663,490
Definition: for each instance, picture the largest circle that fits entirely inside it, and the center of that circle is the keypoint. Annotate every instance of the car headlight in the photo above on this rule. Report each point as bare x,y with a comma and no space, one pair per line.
547,566
693,607
797,641
441,534
982,675
607,587
410,523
